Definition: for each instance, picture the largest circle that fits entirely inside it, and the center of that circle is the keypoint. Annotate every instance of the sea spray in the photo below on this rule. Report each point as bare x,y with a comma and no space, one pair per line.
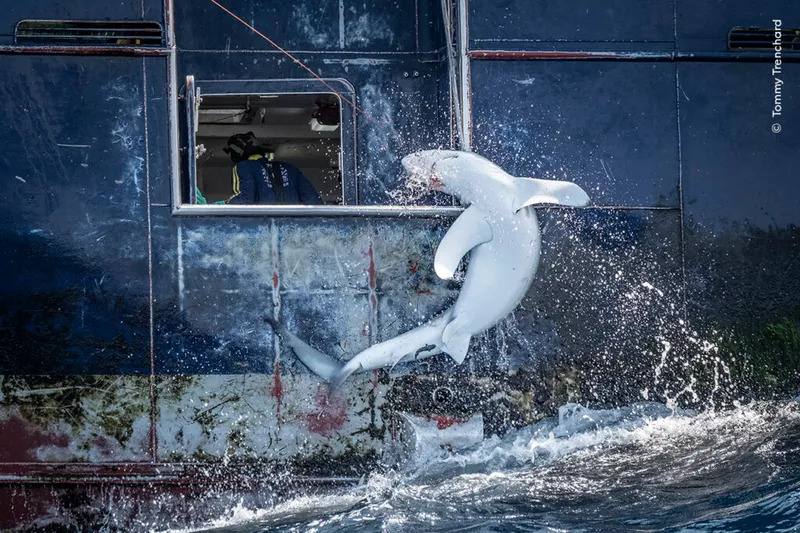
643,465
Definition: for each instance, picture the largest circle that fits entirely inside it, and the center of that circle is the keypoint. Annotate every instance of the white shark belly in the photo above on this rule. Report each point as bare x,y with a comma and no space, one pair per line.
499,274
500,232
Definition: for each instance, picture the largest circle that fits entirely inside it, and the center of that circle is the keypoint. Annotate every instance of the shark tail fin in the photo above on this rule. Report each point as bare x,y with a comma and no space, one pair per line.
420,342
346,371
322,365
272,323
455,344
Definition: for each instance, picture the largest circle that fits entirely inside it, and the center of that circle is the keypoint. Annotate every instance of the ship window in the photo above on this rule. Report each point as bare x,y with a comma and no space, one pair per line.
284,131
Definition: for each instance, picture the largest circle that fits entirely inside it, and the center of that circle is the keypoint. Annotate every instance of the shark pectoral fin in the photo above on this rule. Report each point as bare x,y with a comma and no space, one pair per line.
455,344
468,231
530,191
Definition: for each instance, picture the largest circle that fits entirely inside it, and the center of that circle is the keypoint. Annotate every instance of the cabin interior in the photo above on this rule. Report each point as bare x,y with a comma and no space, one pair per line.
300,129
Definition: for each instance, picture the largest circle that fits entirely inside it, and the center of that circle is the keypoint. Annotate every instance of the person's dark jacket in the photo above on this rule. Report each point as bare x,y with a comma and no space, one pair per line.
252,183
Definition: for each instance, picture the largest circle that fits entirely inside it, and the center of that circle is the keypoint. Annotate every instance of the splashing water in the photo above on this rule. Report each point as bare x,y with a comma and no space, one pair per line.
643,467
412,188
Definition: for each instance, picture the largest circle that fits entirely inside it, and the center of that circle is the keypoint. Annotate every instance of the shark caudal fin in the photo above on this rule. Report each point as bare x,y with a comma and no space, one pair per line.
346,371
324,366
530,191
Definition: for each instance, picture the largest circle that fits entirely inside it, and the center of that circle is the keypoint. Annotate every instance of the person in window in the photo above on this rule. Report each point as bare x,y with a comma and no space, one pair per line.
257,180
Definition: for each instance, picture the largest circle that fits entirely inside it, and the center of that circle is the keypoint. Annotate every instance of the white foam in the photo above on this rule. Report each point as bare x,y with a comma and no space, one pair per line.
581,451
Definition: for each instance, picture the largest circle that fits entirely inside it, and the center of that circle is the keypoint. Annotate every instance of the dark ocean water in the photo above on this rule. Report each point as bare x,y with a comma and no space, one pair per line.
637,468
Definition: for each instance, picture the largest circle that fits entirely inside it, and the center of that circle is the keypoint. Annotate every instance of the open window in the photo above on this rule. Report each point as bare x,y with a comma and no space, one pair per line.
300,125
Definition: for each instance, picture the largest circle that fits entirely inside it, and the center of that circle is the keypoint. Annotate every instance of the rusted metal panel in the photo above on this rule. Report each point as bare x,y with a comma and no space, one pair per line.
285,419
83,50
74,418
341,285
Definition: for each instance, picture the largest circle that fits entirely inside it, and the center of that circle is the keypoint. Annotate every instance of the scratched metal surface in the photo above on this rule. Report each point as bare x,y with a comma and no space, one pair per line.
625,156
74,236
371,26
674,153
564,25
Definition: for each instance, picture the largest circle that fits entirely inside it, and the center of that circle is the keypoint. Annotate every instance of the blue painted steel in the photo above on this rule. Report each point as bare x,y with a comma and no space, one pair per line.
611,126
696,207
74,233
608,126
741,191
367,26
697,26
703,26
570,25
76,10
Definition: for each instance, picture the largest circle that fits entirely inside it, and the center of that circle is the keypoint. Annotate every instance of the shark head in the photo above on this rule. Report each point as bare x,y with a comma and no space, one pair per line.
476,180
467,176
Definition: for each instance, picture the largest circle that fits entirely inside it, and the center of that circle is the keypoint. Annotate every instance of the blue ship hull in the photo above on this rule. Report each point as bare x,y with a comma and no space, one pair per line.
133,351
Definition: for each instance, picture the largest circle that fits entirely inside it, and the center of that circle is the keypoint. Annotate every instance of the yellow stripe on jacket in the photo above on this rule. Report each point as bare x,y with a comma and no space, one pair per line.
235,181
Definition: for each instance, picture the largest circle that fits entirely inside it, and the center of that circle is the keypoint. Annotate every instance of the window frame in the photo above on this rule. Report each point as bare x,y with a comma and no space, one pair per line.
193,92
184,146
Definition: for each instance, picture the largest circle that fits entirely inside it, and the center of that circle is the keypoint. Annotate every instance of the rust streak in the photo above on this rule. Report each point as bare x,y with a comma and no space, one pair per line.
444,422
277,390
373,296
329,416
85,50
21,439
371,270
504,54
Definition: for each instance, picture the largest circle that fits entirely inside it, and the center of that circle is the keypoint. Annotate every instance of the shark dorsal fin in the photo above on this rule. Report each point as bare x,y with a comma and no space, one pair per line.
530,191
468,231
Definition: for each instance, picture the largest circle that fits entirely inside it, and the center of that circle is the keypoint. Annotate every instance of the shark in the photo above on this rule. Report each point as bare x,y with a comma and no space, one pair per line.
499,230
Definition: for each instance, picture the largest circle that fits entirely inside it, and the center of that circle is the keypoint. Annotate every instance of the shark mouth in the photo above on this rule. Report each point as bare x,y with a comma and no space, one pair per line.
418,179
419,182
414,188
